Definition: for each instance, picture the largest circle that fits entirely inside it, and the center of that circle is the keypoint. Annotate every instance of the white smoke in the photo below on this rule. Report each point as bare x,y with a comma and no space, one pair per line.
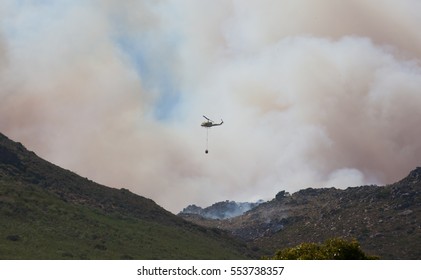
312,93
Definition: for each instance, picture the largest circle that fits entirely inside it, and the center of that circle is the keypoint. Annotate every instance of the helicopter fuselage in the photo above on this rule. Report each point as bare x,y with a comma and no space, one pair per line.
207,124
210,124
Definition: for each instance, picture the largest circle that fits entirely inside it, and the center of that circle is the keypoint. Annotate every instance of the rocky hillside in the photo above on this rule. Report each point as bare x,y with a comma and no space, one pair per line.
386,220
47,212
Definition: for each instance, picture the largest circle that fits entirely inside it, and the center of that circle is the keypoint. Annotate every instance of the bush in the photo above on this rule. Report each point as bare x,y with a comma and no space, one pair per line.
331,249
13,237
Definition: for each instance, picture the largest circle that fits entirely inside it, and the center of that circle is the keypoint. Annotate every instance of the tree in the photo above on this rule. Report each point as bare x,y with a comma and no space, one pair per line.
331,249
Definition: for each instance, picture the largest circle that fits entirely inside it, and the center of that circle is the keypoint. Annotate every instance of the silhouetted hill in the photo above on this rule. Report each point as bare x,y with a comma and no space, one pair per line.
47,212
26,167
384,219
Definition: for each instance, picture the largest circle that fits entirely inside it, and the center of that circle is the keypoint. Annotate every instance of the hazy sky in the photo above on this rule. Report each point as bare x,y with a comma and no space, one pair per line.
313,93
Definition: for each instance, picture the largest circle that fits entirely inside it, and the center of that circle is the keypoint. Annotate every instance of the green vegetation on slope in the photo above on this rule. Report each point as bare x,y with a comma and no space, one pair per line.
47,212
35,224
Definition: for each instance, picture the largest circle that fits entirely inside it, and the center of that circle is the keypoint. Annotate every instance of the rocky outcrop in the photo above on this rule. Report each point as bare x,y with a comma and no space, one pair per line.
384,219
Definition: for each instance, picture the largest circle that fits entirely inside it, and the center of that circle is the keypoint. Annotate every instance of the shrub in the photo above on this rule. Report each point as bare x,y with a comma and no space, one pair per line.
331,249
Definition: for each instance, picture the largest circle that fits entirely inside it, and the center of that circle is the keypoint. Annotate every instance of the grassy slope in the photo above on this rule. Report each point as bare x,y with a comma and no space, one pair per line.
35,224
47,212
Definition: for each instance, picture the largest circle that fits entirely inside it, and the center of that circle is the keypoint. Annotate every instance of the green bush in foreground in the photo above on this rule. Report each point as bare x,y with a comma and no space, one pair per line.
331,249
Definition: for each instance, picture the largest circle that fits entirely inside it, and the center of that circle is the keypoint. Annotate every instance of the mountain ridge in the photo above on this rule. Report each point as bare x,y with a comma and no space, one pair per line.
47,212
384,219
30,168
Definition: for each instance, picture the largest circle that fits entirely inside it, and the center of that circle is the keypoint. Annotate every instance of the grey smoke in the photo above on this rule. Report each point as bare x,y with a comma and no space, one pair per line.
313,93
221,210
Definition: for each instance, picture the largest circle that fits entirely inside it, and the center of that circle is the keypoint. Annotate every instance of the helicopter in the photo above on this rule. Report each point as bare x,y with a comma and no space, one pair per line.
210,123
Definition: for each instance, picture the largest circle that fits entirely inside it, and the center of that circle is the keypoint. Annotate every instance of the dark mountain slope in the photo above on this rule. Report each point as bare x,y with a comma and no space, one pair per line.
384,219
47,212
22,165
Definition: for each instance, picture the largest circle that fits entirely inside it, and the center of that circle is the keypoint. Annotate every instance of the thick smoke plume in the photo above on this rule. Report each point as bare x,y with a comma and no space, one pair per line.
312,93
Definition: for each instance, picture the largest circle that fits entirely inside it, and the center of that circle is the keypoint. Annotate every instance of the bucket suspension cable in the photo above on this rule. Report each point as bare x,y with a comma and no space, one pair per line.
207,140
